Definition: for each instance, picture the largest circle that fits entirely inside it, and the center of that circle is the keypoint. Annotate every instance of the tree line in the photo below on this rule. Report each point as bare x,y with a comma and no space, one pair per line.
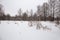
47,12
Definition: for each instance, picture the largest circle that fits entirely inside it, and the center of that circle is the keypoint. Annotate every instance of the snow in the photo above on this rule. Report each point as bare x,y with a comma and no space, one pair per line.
20,30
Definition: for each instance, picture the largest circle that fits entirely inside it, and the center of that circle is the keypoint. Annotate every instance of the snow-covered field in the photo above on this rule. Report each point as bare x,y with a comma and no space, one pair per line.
22,30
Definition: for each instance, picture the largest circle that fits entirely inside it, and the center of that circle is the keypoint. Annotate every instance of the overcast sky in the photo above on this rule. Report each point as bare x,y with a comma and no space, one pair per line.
12,6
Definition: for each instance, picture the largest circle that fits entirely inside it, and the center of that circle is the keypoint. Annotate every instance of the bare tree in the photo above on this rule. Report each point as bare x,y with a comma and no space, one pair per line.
57,12
39,12
1,10
52,7
31,12
2,15
45,10
20,12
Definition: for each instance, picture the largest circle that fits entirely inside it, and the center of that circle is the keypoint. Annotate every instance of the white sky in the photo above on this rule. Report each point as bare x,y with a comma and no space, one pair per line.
12,6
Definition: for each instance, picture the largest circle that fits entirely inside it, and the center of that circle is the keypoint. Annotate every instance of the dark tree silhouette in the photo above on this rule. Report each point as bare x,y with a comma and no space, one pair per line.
35,17
8,16
45,10
2,15
25,16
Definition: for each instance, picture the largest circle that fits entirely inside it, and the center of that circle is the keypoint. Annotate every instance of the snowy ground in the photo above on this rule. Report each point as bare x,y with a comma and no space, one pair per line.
21,30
